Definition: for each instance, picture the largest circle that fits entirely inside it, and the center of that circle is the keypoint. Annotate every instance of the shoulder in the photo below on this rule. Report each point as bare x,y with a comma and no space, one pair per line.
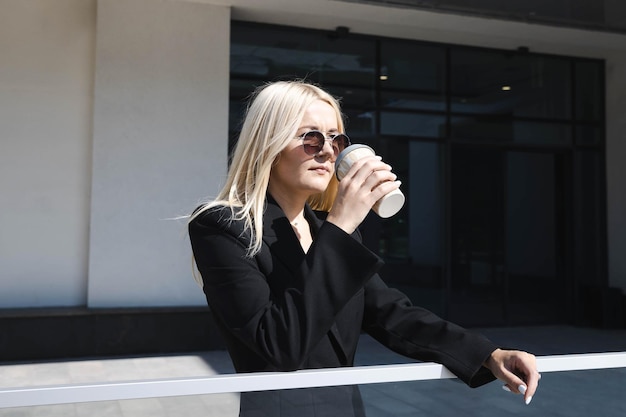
216,219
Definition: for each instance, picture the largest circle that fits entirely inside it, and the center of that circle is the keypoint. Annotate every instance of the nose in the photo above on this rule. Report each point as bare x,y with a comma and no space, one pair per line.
327,150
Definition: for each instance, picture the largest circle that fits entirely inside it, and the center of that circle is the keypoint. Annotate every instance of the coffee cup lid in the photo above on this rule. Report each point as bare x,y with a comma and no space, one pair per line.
346,151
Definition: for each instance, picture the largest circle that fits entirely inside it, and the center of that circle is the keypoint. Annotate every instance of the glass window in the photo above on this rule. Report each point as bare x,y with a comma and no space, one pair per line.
412,76
500,154
401,100
412,124
360,125
589,135
411,242
589,90
588,217
477,236
535,214
355,97
510,130
520,85
260,51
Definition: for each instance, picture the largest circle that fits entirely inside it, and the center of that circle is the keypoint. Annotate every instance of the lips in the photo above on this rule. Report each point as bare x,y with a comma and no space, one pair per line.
320,168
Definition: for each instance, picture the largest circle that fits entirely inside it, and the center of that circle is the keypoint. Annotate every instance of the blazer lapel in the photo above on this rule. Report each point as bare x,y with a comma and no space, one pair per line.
279,236
284,246
335,336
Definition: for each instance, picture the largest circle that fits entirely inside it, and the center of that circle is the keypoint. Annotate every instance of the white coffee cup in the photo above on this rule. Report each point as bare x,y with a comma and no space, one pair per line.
389,204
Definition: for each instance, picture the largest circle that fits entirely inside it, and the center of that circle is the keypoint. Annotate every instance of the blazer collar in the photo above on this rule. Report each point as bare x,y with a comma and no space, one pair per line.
280,237
274,219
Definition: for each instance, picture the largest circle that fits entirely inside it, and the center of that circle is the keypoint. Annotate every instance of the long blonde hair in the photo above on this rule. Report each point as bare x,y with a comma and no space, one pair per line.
273,115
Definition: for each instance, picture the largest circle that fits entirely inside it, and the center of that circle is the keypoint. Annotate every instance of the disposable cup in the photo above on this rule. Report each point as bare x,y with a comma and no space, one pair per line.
389,204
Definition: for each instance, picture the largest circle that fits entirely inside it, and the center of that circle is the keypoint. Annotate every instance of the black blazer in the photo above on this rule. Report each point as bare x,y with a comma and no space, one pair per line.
285,310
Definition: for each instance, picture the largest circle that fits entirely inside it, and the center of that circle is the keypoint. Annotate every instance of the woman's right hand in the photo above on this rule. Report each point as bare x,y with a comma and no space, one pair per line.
366,182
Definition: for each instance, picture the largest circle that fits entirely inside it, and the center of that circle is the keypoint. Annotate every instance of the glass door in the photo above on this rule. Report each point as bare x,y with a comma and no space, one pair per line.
508,232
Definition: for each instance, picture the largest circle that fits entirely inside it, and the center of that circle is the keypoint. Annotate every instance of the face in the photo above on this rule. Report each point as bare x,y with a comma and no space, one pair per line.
297,174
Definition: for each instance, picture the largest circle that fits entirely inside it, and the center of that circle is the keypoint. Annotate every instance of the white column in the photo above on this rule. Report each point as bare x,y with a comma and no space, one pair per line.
46,85
160,145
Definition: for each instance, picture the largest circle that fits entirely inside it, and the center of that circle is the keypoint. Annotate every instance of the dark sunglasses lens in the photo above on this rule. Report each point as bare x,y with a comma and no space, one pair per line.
340,142
313,142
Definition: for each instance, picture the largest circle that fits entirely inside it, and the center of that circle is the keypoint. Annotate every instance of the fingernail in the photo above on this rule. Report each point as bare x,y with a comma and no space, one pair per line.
528,400
507,389
522,389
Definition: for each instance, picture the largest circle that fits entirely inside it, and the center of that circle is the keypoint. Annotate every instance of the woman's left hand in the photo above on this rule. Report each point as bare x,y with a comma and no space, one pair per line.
517,369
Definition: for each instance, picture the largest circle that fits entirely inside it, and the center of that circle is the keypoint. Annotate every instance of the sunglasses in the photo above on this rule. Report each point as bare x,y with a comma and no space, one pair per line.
313,142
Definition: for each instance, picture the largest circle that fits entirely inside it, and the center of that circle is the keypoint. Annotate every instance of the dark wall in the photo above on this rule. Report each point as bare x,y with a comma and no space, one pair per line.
42,334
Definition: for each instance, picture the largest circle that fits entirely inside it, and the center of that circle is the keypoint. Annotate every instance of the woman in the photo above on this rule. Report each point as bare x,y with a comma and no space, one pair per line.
288,281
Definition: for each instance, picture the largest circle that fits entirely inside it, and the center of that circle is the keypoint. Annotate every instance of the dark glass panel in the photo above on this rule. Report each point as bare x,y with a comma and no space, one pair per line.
412,124
412,76
589,90
507,130
589,135
507,221
589,210
494,194
412,101
240,91
360,125
411,241
352,96
271,52
477,223
521,85
412,66
535,219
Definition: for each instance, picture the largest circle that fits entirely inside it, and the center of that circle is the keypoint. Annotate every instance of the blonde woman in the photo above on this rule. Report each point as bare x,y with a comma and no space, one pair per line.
288,281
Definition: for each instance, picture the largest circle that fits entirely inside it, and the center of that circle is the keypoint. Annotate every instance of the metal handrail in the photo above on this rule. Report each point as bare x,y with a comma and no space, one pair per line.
266,381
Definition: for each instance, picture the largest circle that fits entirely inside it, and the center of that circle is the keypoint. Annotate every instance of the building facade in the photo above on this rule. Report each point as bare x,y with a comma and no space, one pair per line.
117,116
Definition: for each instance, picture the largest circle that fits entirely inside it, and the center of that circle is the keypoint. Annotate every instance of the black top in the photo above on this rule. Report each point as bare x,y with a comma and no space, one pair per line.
284,310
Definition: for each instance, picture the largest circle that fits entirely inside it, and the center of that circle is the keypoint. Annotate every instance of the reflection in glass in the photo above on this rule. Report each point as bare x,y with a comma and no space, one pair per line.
412,124
507,130
507,214
589,90
501,82
589,135
477,236
265,52
412,76
411,241
589,250
399,100
463,207
535,214
412,66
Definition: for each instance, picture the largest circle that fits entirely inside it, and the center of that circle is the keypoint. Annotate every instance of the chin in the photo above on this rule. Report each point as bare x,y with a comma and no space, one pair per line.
318,187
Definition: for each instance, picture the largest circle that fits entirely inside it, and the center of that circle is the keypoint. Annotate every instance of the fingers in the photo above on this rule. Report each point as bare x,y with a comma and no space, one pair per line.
532,383
518,370
371,179
366,182
370,171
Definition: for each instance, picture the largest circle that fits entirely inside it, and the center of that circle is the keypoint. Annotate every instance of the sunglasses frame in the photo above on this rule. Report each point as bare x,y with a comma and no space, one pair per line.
321,141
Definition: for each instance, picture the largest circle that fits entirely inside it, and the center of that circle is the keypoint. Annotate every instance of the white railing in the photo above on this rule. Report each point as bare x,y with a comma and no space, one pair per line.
235,383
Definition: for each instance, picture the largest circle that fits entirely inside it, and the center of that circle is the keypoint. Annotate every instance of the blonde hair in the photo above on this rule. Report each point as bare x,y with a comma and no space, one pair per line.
273,116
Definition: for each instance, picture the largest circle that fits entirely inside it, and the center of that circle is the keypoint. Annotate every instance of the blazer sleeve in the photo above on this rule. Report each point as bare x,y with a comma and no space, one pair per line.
420,334
282,328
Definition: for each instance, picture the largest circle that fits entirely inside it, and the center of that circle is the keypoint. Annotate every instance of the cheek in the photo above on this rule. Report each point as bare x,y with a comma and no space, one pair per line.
287,165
